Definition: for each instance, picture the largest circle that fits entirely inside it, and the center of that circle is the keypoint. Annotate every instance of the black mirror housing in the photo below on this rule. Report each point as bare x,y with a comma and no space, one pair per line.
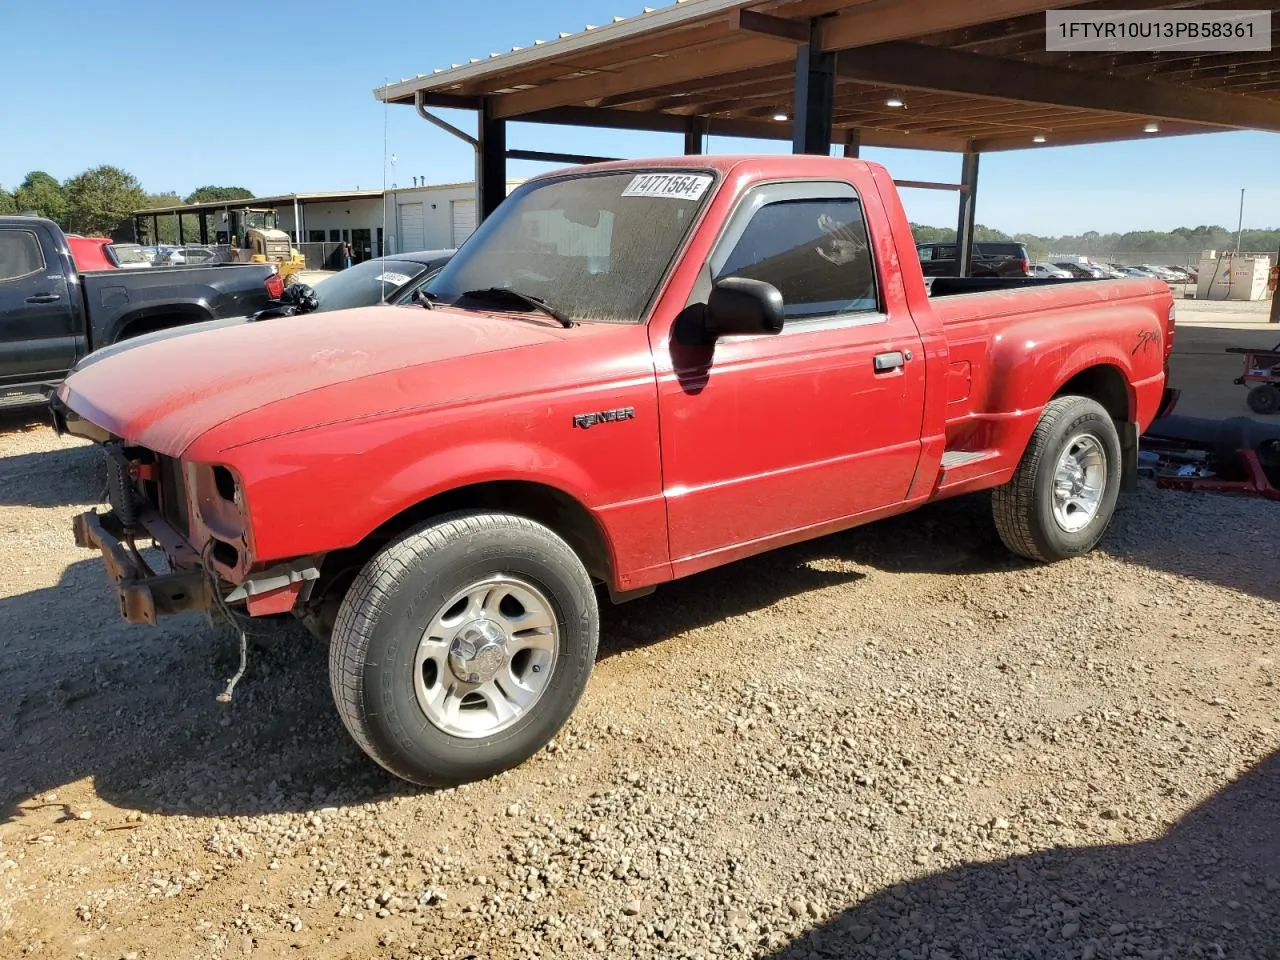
742,306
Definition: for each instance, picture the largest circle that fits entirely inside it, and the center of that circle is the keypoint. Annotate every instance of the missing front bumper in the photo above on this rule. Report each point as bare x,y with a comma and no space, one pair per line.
145,595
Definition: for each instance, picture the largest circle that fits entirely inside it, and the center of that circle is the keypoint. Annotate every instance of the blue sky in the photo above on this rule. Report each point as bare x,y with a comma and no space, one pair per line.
278,98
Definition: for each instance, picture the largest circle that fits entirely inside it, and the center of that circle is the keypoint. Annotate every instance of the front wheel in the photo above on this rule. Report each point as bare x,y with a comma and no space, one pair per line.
1063,494
461,648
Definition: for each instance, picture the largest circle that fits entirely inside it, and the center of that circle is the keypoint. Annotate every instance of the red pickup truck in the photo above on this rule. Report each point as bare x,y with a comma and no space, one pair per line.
631,372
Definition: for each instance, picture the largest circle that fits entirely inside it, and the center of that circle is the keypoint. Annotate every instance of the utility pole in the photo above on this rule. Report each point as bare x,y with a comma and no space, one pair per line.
1240,222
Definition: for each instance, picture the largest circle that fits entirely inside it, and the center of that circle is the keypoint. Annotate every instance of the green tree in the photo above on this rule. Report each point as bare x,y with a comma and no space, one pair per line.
100,200
1037,247
926,234
209,194
7,203
43,194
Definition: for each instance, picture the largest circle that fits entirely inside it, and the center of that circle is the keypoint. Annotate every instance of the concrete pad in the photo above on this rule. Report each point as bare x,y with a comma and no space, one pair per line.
1200,366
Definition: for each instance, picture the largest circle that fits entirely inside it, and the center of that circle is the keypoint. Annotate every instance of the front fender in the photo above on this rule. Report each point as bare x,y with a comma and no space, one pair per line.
309,493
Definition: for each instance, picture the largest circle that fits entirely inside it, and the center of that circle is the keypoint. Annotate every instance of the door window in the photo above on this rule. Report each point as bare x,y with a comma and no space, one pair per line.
20,255
816,252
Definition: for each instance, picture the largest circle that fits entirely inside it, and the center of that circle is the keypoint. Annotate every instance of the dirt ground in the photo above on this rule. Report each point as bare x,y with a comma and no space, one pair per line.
898,742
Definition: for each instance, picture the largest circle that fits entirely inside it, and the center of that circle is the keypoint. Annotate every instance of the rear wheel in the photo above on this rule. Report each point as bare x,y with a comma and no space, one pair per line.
461,648
1264,398
1063,494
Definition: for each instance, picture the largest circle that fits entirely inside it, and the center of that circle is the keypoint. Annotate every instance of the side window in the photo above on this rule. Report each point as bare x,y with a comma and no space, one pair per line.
925,253
20,255
816,252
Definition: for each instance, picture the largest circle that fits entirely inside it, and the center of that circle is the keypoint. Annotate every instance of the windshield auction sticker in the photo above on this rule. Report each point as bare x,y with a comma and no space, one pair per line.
396,278
673,186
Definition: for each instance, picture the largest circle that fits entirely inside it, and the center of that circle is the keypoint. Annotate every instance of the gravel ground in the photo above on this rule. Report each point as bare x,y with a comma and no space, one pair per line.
896,743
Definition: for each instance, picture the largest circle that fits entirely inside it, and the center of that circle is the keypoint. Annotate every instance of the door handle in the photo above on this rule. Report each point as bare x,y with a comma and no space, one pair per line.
889,361
44,298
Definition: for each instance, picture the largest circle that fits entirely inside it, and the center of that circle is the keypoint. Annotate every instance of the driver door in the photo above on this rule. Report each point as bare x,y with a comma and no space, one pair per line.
770,435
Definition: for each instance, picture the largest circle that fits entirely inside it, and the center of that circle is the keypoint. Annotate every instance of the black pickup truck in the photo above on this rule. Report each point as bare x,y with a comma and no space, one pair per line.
51,314
990,258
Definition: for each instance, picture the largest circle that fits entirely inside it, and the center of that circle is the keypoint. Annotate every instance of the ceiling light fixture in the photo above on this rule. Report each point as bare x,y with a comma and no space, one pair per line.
1038,138
1151,127
895,101
780,116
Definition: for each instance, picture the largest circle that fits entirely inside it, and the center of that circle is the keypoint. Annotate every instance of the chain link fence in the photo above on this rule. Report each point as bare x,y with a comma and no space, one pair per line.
319,256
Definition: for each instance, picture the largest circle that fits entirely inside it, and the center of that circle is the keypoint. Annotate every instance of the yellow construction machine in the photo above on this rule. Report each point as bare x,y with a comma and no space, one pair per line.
255,237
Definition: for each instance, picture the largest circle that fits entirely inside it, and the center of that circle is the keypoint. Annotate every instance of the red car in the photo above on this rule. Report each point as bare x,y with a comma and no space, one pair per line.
631,372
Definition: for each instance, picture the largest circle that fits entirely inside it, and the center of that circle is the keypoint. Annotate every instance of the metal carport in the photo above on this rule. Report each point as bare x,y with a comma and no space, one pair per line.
975,76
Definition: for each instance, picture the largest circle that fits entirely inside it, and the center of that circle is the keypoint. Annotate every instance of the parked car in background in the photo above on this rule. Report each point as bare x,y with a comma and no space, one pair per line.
1051,271
990,259
394,280
1180,274
191,255
1083,271
52,314
1164,273
634,372
130,256
1127,270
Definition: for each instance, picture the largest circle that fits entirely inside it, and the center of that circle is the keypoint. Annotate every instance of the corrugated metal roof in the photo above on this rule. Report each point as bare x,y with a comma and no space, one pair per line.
591,35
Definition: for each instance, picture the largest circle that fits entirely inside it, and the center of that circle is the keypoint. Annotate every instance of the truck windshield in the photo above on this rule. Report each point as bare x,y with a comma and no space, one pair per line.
593,247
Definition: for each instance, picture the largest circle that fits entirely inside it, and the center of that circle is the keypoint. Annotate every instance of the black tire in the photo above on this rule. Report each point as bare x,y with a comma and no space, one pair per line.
388,607
1264,399
1023,507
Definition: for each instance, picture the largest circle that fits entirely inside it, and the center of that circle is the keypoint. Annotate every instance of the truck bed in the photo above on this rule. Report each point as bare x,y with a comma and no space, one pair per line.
1006,332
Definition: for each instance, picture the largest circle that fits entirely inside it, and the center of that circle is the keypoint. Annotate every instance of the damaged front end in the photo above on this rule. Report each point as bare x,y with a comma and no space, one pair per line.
192,513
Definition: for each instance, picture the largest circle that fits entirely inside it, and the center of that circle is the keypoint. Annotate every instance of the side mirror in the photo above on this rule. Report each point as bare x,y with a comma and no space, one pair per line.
740,305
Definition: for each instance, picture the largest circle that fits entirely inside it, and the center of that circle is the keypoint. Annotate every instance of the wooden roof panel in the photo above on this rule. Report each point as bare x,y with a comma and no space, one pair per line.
707,58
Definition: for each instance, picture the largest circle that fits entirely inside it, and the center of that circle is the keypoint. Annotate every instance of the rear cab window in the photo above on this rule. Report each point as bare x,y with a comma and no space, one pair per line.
20,254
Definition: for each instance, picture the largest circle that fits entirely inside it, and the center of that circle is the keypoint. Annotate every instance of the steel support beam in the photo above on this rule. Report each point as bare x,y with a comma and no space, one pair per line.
695,129
814,98
870,23
204,228
1275,300
727,127
852,142
492,162
965,221
929,185
545,156
792,30
920,67
178,218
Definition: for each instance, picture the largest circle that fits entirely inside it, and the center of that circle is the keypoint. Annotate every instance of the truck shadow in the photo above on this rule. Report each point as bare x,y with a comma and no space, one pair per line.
24,416
1205,888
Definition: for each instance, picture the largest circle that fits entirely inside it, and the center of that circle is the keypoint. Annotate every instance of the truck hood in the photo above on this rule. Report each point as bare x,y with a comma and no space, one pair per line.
166,393
168,333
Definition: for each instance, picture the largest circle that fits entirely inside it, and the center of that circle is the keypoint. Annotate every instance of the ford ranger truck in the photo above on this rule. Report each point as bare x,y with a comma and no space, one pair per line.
632,372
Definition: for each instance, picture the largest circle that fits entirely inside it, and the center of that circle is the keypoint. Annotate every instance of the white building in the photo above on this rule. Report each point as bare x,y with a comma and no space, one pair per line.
374,222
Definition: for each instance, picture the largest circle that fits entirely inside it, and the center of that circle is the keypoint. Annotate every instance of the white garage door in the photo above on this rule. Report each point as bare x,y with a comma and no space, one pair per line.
412,229
464,220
